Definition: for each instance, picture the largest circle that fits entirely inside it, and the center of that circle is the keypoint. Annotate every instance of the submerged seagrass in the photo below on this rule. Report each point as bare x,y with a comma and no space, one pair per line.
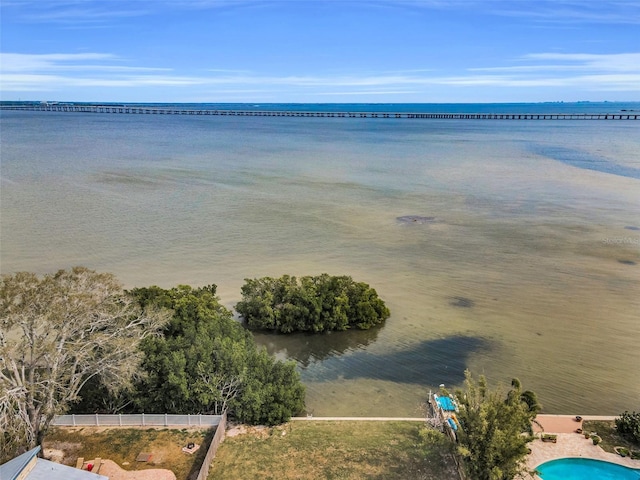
532,240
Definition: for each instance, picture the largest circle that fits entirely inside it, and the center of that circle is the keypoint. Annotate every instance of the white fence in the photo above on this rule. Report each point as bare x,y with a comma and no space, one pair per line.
137,419
213,448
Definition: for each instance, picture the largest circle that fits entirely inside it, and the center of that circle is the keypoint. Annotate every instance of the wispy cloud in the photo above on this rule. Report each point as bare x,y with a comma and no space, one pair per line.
50,72
371,80
616,62
578,71
542,11
73,12
622,83
20,62
560,62
572,11
369,92
50,83
603,72
93,13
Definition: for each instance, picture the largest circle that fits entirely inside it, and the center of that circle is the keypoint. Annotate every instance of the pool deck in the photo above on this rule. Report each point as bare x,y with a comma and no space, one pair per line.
569,443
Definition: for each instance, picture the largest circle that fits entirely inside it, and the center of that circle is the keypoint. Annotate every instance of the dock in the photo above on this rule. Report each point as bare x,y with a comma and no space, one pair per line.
146,110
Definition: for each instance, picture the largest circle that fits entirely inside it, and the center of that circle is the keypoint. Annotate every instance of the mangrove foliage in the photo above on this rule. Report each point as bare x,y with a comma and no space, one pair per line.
310,304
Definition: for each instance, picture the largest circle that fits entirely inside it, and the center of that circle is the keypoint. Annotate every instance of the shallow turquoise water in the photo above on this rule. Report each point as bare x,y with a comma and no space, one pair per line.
585,469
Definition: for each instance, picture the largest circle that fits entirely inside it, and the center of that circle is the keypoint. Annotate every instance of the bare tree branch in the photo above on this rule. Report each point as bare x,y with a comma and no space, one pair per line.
57,332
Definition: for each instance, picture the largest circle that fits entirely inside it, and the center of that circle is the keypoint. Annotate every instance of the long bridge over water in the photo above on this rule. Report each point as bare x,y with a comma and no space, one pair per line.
147,110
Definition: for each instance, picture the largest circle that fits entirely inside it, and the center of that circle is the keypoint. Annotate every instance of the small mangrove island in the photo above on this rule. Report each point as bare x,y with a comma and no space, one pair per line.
310,304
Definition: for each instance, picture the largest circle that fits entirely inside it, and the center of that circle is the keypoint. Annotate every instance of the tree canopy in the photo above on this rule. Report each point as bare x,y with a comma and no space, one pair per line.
58,332
495,428
206,362
628,425
310,304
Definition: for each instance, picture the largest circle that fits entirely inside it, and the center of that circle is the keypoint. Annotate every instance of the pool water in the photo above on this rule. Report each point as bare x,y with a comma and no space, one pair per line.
585,469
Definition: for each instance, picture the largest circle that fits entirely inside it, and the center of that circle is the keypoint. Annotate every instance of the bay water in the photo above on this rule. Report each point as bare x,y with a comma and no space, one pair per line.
529,268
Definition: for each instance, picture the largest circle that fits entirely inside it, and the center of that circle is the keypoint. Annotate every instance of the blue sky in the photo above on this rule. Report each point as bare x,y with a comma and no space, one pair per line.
396,51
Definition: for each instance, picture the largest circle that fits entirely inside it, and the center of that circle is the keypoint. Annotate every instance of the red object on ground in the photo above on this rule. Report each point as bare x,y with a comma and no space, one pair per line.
90,467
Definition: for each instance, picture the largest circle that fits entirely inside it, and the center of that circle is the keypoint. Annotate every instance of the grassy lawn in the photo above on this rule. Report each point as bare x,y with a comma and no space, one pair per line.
124,444
334,450
610,438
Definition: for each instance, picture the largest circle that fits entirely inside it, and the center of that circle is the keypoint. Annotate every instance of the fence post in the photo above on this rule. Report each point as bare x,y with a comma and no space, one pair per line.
198,419
213,447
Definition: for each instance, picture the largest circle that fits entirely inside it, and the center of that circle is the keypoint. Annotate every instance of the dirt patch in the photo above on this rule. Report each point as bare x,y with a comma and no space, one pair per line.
112,470
123,445
53,454
258,431
62,452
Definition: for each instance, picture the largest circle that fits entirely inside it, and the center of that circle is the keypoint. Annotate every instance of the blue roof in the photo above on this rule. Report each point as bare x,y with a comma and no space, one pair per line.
43,469
46,470
13,468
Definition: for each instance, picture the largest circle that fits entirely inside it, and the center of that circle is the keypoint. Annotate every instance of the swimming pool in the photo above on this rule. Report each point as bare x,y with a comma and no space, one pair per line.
585,469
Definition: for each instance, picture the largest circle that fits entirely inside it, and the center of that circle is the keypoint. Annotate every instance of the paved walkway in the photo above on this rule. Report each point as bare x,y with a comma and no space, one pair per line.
366,419
569,442
556,424
112,470
563,423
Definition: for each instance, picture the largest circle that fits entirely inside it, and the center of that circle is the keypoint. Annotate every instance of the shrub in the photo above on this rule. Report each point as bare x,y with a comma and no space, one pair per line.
628,425
310,304
623,452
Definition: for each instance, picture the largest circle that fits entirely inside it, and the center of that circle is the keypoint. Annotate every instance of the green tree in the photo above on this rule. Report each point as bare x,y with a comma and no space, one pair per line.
206,362
57,333
495,429
272,391
628,425
312,303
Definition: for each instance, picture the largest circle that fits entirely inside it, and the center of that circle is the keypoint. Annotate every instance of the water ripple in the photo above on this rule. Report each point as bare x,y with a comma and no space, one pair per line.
585,160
